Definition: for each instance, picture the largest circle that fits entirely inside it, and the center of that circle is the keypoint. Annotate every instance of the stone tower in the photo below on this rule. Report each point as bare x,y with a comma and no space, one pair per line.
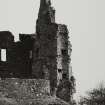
45,47
50,50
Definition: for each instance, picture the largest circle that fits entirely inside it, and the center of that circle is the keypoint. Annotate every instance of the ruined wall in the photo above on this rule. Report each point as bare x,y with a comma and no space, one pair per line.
63,61
6,42
24,88
44,55
62,52
18,55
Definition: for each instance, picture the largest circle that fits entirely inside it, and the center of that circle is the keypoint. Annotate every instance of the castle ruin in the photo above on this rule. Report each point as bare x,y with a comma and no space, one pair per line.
44,55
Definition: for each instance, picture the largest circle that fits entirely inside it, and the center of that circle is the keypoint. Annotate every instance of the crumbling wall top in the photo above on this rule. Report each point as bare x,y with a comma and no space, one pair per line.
6,39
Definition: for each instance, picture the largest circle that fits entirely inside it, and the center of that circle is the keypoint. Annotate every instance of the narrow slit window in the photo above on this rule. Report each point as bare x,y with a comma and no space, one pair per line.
59,74
30,56
3,55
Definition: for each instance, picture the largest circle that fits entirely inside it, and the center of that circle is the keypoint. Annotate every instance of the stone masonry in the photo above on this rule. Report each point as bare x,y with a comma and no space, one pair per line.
44,55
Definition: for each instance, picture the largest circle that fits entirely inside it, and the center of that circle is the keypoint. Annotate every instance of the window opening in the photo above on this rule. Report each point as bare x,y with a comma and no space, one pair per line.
3,55
64,52
30,55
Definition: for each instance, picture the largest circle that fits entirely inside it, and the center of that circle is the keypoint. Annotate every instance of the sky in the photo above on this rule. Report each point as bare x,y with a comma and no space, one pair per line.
86,24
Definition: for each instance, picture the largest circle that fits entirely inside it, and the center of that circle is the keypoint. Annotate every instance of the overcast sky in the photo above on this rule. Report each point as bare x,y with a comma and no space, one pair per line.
86,24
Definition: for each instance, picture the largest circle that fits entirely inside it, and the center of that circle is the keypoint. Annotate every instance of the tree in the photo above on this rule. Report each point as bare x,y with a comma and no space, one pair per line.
95,97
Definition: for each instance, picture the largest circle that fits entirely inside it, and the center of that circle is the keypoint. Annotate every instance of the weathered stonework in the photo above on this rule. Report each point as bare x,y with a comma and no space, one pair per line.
24,88
18,62
62,50
15,91
44,55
